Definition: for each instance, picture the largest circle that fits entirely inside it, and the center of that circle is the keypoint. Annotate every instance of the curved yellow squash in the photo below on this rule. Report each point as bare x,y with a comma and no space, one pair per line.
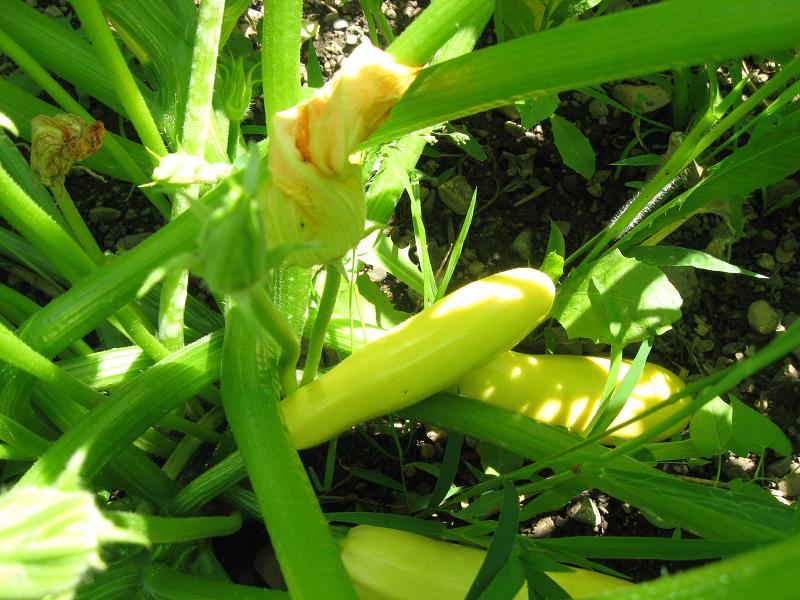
566,390
388,564
429,352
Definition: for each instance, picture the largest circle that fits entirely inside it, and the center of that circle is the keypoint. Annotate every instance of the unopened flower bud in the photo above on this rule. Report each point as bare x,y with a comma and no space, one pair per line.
232,245
236,86
315,193
60,141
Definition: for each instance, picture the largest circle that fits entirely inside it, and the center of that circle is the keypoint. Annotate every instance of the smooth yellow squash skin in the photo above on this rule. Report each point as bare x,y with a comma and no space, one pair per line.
388,564
566,390
427,353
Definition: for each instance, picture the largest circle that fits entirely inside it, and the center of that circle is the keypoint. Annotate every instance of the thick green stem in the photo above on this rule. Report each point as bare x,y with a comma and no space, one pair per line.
324,312
95,26
439,22
234,132
280,55
260,307
195,132
77,224
308,556
201,81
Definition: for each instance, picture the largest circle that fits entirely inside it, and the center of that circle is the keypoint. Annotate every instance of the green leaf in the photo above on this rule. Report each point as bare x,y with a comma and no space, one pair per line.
575,149
553,263
377,478
753,432
771,154
711,427
674,256
536,109
499,459
711,513
753,574
645,300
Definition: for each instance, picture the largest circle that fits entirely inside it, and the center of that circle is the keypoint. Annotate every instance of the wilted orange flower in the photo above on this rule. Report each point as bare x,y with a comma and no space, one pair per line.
315,193
60,141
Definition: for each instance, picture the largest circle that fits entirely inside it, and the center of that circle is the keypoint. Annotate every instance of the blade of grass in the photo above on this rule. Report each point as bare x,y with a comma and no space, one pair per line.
455,254
500,549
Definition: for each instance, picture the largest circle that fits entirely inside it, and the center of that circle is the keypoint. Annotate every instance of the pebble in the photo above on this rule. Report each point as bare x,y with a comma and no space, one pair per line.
427,451
790,486
766,261
127,242
523,245
738,468
763,318
104,214
598,109
456,194
781,467
783,256
339,24
53,12
514,129
641,98
731,348
596,190
376,274
584,510
544,528
476,268
704,345
351,39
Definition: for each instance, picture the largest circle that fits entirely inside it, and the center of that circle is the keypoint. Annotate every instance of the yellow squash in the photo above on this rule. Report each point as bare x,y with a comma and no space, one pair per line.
387,564
429,352
566,390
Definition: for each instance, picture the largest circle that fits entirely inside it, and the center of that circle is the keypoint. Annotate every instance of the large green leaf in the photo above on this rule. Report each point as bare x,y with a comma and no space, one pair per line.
753,432
644,300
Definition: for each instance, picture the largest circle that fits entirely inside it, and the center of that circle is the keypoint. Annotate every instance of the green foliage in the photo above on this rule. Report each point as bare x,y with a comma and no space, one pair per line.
645,301
573,146
711,427
149,418
753,432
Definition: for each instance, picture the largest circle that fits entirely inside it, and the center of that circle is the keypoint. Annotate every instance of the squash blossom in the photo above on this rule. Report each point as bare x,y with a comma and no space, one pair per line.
60,141
315,194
